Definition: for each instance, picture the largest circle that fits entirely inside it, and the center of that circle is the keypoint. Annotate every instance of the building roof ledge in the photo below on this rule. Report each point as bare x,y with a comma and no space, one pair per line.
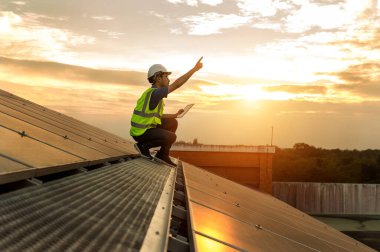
224,148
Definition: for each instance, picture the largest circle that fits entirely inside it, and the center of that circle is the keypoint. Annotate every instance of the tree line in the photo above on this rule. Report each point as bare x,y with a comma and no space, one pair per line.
307,163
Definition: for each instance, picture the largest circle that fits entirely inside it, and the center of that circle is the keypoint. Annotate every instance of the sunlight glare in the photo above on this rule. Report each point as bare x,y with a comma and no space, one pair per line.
249,93
7,19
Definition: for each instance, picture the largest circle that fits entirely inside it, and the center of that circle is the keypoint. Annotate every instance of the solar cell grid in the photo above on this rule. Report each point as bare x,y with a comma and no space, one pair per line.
72,129
33,108
34,136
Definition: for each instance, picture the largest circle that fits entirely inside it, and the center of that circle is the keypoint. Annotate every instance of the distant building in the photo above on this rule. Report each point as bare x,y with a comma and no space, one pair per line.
248,165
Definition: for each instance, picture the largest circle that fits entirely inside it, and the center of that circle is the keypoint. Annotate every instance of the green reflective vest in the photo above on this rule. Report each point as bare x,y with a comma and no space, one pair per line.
143,118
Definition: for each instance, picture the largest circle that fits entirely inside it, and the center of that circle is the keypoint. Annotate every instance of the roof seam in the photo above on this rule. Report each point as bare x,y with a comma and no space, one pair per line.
15,160
23,134
56,133
68,130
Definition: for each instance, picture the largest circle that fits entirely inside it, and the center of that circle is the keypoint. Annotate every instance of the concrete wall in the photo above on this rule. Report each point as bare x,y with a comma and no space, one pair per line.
330,198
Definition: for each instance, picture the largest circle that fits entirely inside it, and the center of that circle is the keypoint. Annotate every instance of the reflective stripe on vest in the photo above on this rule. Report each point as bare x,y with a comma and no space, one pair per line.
144,114
143,120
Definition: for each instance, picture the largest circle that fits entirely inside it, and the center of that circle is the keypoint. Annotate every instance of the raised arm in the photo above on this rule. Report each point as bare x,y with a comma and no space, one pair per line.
182,80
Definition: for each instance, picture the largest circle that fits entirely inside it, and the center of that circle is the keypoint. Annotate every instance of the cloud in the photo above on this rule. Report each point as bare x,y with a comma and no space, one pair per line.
188,2
77,100
327,16
112,34
195,2
366,37
370,91
103,18
213,23
27,36
19,2
262,8
362,79
43,73
79,90
162,17
66,72
211,2
36,19
176,31
296,89
303,16
361,73
8,19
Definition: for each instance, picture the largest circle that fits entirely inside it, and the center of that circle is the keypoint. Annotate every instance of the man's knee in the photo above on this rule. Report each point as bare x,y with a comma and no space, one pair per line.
175,124
172,138
170,124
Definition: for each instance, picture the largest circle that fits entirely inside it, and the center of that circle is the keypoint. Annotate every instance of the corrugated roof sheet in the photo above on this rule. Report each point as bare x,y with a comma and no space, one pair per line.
107,209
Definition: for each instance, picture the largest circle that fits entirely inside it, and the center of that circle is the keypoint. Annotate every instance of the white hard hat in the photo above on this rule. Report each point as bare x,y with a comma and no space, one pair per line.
157,68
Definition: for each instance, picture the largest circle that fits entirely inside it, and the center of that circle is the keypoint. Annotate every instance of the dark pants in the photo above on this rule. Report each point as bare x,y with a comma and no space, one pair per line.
164,136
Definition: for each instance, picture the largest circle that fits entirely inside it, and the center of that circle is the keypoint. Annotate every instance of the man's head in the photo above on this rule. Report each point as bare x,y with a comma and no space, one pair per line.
158,75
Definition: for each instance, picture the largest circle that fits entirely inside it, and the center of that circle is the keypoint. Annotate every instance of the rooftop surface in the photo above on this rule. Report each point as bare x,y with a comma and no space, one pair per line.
107,209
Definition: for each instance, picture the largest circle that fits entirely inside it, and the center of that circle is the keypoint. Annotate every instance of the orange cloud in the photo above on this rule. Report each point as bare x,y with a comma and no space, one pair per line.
70,72
296,89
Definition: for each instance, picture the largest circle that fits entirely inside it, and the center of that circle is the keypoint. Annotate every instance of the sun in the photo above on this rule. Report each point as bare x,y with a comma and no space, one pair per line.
251,93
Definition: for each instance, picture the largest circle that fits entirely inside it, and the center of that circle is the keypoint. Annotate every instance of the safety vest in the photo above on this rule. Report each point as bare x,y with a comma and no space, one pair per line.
143,118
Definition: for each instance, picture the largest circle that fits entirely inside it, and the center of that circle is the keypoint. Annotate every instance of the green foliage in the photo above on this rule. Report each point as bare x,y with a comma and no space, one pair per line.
306,163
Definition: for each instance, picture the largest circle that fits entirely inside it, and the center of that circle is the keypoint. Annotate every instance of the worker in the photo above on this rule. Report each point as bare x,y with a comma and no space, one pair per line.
150,127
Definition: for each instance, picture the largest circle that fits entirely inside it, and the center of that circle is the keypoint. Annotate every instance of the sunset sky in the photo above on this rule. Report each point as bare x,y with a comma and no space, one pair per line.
311,69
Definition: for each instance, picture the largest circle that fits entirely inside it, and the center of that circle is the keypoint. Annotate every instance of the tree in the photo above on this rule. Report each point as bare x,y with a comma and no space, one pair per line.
369,172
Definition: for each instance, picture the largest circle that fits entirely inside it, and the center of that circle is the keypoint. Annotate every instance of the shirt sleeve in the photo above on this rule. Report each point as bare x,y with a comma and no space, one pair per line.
157,95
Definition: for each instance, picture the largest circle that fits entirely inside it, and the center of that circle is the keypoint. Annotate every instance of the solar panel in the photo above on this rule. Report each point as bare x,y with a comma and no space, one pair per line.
33,136
32,152
70,129
247,220
204,243
64,119
48,138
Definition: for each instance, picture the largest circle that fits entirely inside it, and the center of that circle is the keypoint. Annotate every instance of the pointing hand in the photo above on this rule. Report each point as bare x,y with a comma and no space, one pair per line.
199,64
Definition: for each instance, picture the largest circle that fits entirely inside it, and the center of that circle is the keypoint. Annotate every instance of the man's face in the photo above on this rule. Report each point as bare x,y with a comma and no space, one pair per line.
163,80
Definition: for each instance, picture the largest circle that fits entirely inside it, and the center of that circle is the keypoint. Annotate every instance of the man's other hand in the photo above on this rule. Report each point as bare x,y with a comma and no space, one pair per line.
180,112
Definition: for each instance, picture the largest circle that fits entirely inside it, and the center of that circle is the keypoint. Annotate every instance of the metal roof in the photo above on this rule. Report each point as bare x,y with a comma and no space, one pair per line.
108,209
130,203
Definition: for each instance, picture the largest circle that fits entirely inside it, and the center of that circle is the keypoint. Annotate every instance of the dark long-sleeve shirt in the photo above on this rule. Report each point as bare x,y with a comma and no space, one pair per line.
157,95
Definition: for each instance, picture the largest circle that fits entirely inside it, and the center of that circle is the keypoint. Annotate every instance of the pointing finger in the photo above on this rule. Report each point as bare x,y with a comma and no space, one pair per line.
200,60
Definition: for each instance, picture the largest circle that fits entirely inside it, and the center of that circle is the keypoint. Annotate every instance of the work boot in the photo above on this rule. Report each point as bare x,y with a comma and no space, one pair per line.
165,159
143,150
